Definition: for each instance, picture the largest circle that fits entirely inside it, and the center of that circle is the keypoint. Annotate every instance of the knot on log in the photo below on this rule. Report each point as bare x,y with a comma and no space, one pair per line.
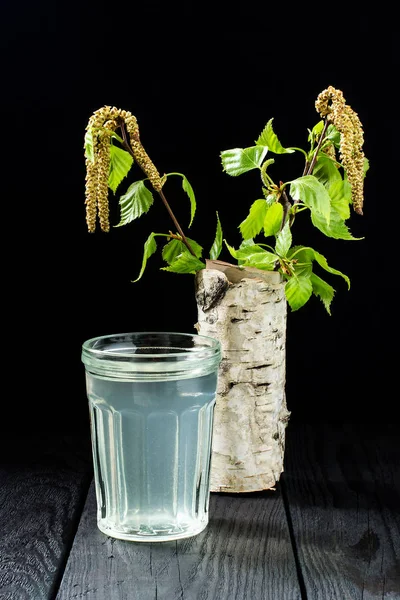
210,288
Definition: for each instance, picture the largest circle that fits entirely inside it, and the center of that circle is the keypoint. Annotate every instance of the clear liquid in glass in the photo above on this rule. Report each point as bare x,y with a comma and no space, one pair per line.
151,451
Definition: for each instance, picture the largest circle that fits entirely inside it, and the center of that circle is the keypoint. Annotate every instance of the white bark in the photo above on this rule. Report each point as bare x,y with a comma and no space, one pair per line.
247,314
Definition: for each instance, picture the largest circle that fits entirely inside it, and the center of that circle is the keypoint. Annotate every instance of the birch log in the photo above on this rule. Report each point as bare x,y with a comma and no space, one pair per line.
245,309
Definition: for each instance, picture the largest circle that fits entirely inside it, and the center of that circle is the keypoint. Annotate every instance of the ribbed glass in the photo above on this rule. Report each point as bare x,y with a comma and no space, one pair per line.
151,399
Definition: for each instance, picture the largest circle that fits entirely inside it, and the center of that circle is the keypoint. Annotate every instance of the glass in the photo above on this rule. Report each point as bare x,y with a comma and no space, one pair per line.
151,400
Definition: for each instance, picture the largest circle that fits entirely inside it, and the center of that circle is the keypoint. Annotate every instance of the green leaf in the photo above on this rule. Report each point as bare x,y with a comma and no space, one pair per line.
303,269
240,160
189,190
304,257
323,290
120,163
185,263
306,254
326,171
197,249
273,219
254,222
264,265
298,291
245,243
171,250
176,247
271,198
150,247
283,241
253,255
244,251
335,228
265,262
217,244
269,138
316,130
340,193
321,260
115,136
333,134
89,150
135,202
312,193
366,165
302,253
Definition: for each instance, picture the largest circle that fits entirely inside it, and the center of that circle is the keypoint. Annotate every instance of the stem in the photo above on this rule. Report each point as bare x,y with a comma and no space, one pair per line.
160,192
298,149
321,139
267,246
308,169
178,227
286,206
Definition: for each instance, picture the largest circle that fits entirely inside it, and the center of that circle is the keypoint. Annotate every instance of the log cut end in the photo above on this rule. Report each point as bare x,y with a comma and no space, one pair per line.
210,288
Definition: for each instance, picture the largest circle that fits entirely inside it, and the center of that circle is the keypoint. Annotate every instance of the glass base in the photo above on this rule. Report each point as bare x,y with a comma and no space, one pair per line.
157,533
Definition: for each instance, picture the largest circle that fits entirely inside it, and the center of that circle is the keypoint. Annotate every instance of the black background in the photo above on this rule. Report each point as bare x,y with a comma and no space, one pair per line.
199,80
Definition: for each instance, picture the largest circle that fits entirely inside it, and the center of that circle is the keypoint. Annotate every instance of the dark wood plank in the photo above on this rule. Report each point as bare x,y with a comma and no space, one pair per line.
43,486
342,486
244,553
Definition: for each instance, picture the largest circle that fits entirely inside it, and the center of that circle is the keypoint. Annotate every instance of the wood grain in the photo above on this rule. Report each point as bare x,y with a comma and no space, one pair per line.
342,486
244,553
43,484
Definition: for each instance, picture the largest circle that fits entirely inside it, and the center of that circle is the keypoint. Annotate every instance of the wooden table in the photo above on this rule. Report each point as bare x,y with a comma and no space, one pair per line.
331,530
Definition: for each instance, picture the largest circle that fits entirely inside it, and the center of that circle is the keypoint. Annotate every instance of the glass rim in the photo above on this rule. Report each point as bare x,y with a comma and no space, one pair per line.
211,349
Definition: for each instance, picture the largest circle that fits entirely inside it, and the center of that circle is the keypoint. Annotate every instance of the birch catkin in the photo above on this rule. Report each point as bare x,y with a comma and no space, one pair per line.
102,123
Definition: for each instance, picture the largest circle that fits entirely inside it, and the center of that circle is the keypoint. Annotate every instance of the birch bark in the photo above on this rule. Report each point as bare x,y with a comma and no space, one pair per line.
246,311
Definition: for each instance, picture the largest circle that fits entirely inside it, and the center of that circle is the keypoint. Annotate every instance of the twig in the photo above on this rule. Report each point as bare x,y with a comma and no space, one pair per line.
284,200
160,193
308,169
321,139
178,227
